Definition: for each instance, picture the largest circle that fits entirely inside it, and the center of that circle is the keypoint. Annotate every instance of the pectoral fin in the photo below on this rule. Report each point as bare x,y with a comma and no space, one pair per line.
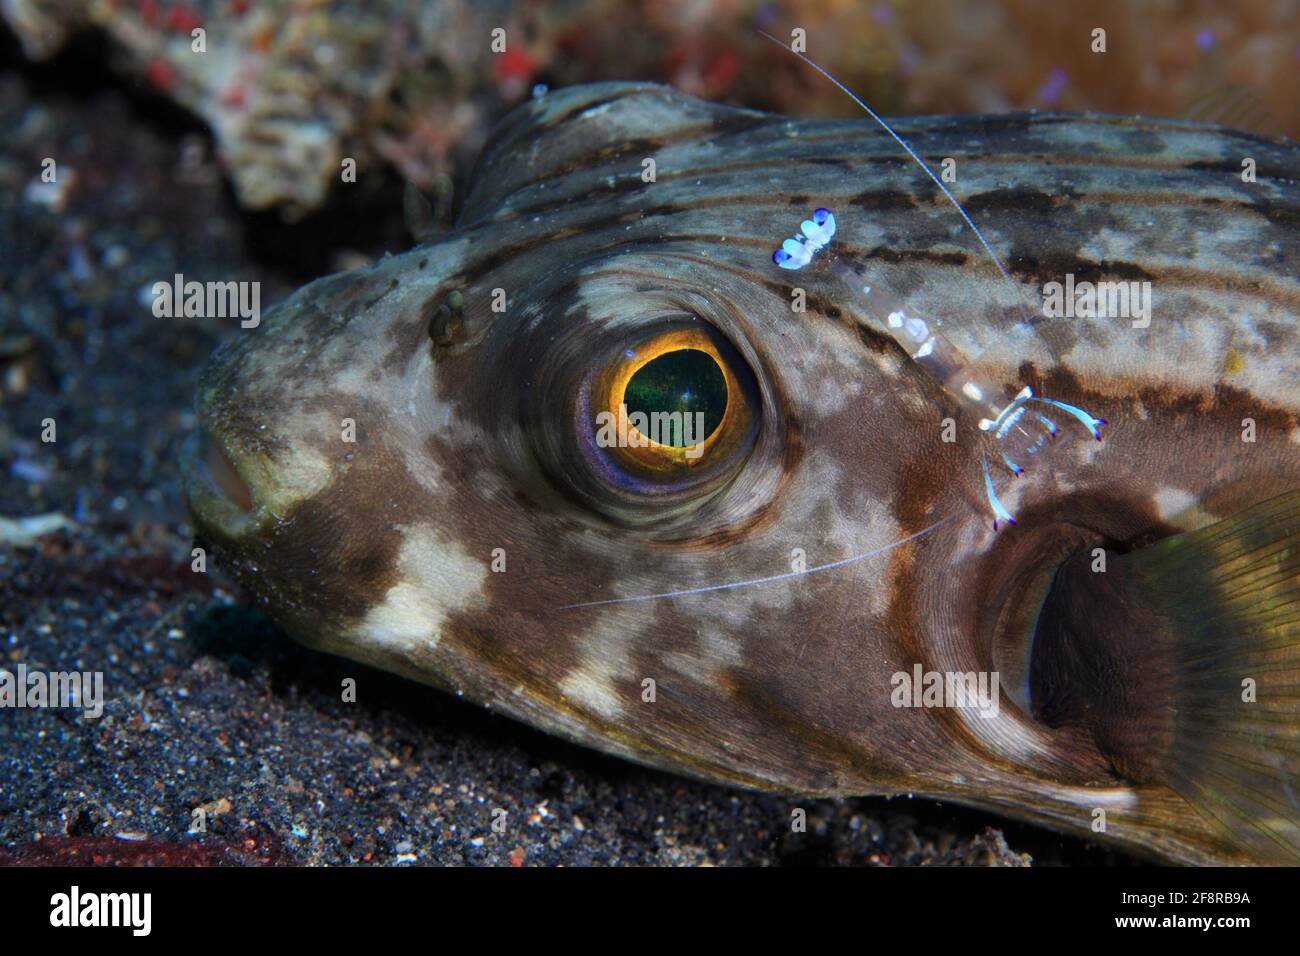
1183,660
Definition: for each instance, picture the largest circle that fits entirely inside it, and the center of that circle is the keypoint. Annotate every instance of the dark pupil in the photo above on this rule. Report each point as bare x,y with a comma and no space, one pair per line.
686,381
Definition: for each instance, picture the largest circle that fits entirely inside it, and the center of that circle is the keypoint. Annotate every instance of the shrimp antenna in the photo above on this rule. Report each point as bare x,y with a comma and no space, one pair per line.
710,588
910,152
931,349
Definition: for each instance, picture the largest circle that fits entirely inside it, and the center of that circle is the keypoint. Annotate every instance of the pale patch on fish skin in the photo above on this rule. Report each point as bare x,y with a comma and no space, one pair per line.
288,479
917,404
828,396
405,616
875,528
1194,351
1181,509
434,419
604,655
889,363
1172,502
715,652
1116,244
1086,452
857,524
439,579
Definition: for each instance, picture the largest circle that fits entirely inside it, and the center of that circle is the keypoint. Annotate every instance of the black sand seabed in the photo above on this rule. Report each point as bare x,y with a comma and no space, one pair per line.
207,704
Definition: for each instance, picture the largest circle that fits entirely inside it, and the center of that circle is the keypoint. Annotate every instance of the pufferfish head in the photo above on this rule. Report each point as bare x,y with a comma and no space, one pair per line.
461,463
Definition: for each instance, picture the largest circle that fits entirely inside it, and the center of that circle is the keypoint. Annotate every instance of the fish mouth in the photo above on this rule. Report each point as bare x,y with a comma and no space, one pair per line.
220,497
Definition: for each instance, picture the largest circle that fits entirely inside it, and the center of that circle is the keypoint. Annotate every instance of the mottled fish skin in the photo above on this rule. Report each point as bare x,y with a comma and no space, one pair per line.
381,550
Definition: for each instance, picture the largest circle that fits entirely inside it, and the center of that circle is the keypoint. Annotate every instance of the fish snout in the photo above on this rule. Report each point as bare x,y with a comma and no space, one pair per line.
283,408
220,498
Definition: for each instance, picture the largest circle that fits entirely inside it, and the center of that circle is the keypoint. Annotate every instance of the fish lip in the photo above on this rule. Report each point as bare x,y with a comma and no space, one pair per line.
220,498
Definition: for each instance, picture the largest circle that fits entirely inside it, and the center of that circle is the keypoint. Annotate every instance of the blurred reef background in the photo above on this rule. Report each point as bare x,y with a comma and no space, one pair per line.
288,88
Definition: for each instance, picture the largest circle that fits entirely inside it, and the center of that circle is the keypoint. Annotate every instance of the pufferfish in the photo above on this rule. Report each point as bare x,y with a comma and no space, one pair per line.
403,464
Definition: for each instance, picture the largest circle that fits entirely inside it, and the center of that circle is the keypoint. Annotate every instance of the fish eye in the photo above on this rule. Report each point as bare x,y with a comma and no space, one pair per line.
664,400
685,386
666,419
